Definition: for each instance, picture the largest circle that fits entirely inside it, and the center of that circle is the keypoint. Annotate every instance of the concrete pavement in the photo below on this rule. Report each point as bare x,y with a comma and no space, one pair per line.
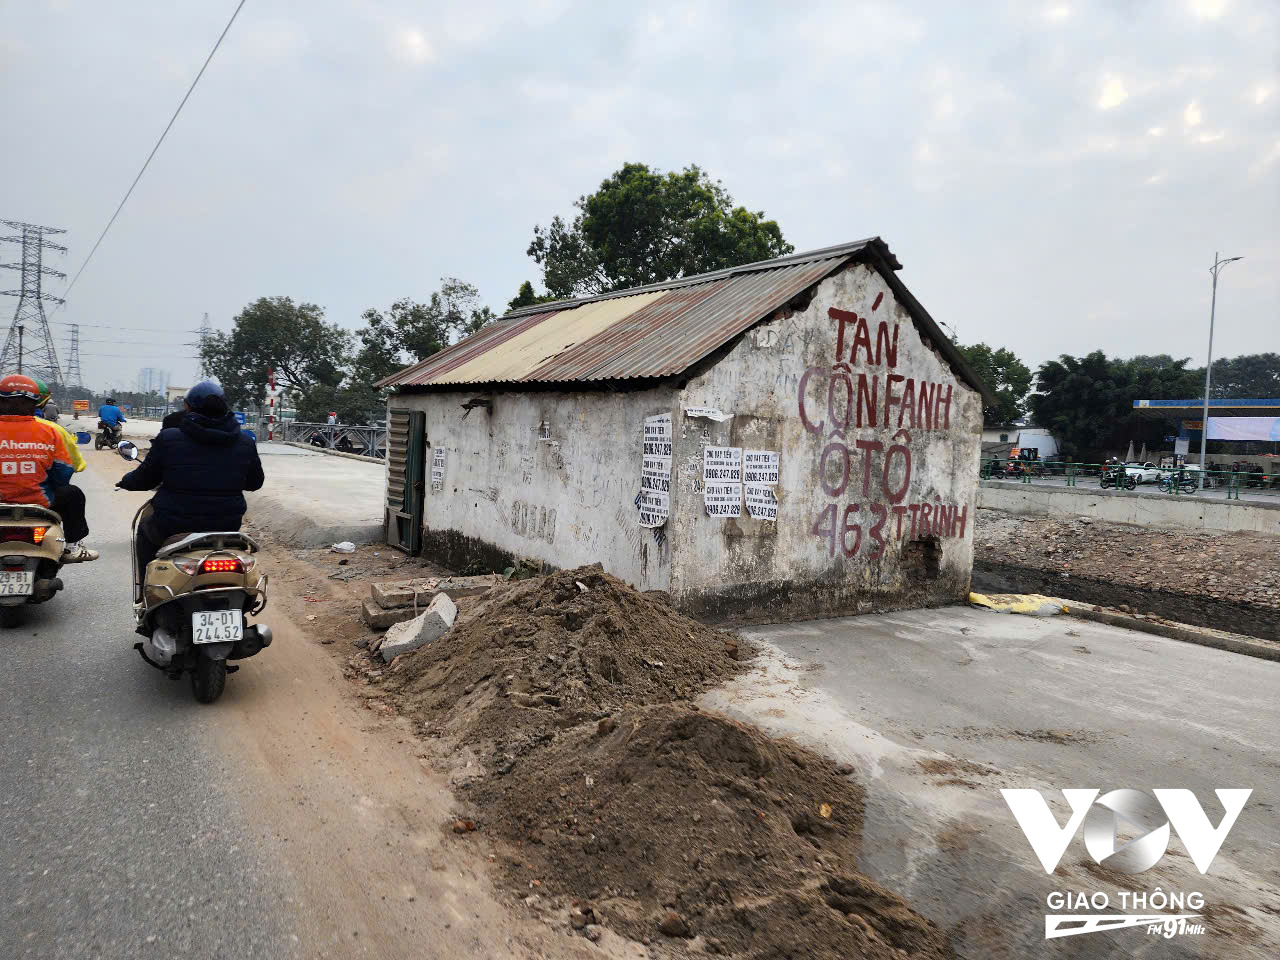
311,499
939,709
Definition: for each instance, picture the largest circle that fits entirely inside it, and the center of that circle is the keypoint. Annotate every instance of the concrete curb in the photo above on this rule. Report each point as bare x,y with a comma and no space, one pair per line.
1261,649
324,450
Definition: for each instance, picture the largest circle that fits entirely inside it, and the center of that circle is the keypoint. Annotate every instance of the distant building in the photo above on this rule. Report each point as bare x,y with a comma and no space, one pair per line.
791,438
152,380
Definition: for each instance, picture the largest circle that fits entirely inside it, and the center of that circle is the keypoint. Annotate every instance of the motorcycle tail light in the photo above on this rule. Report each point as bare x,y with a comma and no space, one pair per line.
222,565
22,534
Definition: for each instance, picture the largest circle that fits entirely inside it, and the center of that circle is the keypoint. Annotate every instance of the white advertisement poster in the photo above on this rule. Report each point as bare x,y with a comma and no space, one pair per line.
1266,429
654,499
760,466
723,499
437,468
654,508
710,413
655,474
761,503
657,436
722,464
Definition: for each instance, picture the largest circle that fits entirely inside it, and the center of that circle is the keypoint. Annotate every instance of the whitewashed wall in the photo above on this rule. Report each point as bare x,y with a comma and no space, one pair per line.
554,475
791,385
548,475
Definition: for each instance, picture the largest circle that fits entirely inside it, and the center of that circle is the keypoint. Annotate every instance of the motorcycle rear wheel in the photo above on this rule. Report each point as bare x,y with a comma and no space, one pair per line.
208,679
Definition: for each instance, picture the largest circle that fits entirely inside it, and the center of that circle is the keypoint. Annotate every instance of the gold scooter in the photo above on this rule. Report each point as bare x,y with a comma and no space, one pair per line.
31,545
192,602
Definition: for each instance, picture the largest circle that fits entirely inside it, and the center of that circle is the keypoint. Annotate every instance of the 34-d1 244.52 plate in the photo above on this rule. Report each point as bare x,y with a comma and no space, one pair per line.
217,626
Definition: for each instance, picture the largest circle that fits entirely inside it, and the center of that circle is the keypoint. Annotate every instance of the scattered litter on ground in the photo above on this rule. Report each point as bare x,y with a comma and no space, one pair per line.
346,546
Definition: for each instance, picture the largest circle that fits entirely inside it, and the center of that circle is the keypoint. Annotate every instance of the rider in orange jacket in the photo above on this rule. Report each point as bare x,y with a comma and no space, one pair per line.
35,465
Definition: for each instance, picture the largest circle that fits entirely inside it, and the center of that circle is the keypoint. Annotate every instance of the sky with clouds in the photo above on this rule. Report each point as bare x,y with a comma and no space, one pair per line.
1055,177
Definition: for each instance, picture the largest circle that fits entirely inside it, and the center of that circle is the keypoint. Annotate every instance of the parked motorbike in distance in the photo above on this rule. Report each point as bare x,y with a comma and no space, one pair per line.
192,603
31,544
107,436
1118,476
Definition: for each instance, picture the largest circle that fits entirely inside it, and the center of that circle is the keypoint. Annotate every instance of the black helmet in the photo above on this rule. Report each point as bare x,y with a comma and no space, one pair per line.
111,400
207,397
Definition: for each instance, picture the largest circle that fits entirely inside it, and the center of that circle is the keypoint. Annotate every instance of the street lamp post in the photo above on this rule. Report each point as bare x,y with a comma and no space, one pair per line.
1208,367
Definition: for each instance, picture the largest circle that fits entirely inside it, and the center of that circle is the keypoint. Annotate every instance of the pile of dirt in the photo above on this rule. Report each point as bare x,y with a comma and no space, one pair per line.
554,651
667,821
604,789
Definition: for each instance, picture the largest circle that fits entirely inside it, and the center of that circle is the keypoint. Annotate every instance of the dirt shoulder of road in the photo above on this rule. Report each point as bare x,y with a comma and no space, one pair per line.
1224,581
560,710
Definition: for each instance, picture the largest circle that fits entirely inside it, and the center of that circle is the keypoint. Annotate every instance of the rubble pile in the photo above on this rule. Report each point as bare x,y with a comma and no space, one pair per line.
669,821
550,652
1230,581
613,803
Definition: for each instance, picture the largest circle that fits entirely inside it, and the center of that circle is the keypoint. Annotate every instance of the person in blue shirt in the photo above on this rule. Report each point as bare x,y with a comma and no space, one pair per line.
111,416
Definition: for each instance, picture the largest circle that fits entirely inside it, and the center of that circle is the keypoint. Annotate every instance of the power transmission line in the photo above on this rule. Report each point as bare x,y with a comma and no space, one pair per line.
129,192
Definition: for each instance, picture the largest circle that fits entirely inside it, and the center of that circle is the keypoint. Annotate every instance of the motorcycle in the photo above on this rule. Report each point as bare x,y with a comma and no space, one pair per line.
192,603
1118,477
108,435
31,544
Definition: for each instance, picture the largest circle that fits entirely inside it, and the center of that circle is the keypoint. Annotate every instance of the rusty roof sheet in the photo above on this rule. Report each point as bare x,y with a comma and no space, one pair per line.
655,331
555,335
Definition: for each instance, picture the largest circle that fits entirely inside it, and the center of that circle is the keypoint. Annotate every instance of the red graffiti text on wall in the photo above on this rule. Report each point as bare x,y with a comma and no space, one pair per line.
875,475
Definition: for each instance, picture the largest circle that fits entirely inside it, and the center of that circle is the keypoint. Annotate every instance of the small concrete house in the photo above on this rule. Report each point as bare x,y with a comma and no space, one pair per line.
792,438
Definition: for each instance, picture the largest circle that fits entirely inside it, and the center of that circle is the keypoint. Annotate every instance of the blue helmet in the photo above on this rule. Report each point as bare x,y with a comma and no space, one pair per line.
207,397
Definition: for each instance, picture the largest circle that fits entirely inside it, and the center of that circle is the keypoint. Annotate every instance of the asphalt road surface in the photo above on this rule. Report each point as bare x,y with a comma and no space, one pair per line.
940,709
284,821
123,832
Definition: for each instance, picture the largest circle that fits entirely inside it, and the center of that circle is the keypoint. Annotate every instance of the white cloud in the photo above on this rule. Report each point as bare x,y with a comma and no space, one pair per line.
1208,9
1262,94
1192,115
412,45
1155,131
1057,12
1210,137
1113,92
1155,178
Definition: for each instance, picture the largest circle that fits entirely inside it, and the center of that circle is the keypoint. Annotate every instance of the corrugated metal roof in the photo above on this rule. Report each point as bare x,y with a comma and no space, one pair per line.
553,336
655,331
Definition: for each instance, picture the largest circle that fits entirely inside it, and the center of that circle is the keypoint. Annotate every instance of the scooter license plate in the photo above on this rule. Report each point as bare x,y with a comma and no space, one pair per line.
16,583
217,626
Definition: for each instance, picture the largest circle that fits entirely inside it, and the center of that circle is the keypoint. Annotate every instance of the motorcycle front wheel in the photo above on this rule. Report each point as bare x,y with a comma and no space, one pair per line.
208,679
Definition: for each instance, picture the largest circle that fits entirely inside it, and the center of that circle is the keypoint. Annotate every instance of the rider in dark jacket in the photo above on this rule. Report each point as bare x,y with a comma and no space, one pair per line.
202,467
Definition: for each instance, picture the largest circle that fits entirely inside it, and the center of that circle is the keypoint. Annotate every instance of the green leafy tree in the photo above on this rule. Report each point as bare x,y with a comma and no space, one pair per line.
1254,376
1087,402
407,333
642,226
274,333
1007,376
526,297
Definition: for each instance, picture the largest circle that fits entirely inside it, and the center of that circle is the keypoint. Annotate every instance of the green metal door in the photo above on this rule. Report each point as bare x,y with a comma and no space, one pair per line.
406,462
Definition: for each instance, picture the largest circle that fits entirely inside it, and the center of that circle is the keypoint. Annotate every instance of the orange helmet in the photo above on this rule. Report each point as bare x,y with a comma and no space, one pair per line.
16,385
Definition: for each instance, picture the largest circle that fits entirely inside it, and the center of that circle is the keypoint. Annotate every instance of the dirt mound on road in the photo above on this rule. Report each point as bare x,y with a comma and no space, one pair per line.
670,818
556,651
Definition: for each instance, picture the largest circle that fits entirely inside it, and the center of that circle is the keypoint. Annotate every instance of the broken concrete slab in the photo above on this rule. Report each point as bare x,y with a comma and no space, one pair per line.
393,595
379,619
421,630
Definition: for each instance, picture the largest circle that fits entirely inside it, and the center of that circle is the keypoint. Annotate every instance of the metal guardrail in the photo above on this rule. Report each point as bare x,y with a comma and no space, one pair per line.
1129,477
369,440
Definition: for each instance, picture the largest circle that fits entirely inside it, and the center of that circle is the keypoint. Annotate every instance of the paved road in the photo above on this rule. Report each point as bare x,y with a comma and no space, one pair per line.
939,709
1255,494
122,831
